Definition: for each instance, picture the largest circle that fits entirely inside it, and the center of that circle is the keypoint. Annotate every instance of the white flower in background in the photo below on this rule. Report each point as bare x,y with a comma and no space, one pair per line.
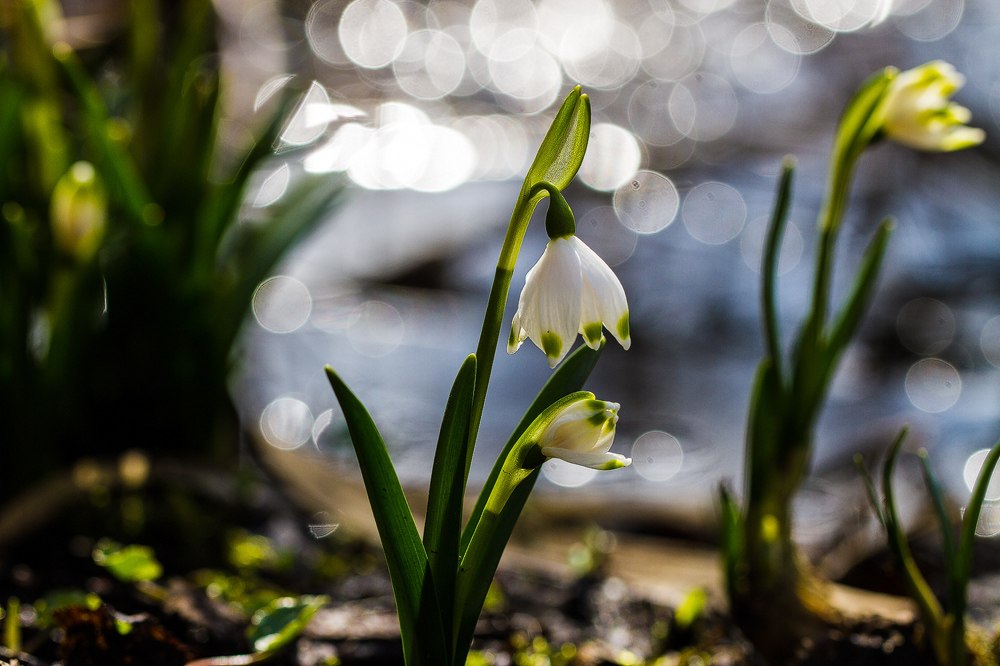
582,432
918,113
570,290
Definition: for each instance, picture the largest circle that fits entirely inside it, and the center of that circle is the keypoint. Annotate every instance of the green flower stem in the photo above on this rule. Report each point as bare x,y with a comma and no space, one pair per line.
557,161
493,320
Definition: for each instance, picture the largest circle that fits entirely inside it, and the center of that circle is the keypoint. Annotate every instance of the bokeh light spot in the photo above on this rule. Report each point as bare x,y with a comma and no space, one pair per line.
273,187
925,326
973,468
286,423
989,341
375,329
933,385
657,456
605,235
281,304
714,213
647,203
752,245
372,32
612,157
567,474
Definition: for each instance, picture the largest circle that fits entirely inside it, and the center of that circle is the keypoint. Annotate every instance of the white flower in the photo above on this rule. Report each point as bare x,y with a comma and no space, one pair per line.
570,290
582,432
918,113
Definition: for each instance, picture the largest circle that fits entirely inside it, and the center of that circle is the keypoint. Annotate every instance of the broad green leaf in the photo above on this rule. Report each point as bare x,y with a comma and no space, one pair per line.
412,584
446,497
57,599
223,201
769,263
130,564
567,378
282,621
764,432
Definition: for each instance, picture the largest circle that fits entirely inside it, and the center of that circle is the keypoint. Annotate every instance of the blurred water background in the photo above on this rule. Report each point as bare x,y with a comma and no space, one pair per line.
432,112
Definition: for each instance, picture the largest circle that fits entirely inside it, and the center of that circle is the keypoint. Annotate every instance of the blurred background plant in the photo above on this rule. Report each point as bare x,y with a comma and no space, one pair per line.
127,257
950,635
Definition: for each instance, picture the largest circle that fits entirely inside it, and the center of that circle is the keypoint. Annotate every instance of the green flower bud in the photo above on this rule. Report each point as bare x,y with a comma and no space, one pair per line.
79,212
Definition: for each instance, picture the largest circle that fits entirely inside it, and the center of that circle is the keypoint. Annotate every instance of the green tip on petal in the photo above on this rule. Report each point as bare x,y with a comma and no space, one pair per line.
616,464
551,344
622,328
592,333
512,340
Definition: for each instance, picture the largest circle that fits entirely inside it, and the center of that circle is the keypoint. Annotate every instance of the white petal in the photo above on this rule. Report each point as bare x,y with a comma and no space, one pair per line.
550,302
602,293
599,460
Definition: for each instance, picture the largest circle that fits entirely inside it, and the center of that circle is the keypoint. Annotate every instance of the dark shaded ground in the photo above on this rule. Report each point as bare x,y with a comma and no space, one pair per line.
229,545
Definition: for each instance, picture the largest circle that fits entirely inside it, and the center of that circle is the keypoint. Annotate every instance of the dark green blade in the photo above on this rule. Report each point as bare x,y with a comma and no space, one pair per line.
446,497
412,583
769,264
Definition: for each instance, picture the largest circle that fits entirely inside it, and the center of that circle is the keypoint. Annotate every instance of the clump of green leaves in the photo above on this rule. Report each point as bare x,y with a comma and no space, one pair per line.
774,597
123,278
947,627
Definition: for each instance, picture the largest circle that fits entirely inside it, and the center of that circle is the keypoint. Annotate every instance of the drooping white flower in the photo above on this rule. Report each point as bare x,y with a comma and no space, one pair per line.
582,432
570,290
918,113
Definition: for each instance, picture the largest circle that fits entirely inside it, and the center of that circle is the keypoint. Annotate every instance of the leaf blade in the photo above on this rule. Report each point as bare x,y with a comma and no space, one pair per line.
445,498
412,584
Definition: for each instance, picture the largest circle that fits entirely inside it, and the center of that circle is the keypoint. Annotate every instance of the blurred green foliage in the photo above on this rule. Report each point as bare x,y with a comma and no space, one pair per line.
124,274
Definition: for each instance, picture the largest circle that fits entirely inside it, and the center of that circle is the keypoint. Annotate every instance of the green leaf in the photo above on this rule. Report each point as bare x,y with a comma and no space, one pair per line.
963,556
764,432
733,548
253,249
856,304
561,152
769,263
567,378
412,583
873,499
446,497
130,564
944,520
119,168
495,523
920,591
282,621
223,201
